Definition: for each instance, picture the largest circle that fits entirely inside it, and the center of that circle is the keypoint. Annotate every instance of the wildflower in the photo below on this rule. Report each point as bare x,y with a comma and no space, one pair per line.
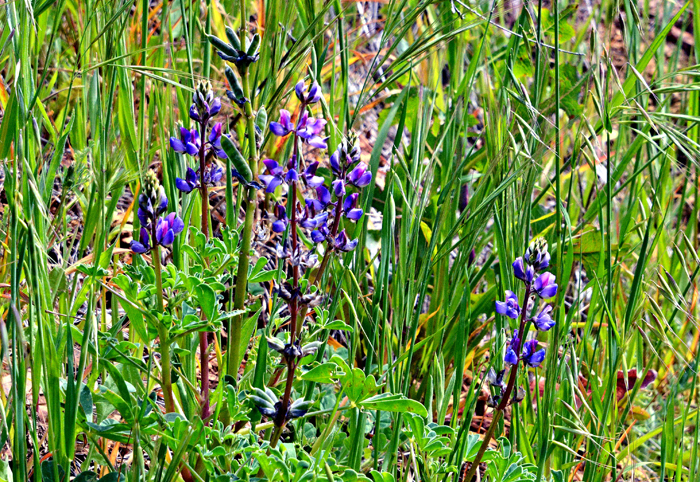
167,228
190,183
310,176
543,321
359,176
511,357
496,378
281,214
545,285
510,306
350,209
320,234
275,176
144,245
531,356
284,126
309,130
187,143
323,199
343,243
152,201
522,273
313,96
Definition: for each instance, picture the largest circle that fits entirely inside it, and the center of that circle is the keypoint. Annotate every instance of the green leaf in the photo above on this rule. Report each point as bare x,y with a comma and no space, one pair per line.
207,300
394,403
324,373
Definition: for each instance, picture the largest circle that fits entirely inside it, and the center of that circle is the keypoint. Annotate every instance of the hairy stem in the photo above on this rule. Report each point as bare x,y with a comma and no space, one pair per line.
498,413
236,323
293,304
203,335
162,329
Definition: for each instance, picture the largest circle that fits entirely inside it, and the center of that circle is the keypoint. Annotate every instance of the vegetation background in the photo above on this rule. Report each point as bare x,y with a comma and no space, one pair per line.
484,129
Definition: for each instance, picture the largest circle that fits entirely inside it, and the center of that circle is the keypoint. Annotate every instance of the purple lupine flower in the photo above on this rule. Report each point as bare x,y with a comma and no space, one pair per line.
543,321
359,177
545,285
190,183
310,175
509,307
511,357
167,228
309,130
213,174
274,178
312,97
350,209
143,246
284,126
531,356
522,273
204,104
323,200
291,176
339,187
215,140
147,211
281,223
309,221
188,142
320,234
343,243
335,161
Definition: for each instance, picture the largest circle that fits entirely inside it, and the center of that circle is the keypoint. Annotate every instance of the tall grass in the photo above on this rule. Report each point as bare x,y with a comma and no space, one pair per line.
483,128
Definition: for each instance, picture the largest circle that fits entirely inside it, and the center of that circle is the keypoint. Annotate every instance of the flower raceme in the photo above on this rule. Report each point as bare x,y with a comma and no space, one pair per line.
543,286
155,230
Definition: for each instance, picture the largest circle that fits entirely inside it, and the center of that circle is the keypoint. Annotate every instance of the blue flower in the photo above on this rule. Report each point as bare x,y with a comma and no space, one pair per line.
350,209
343,243
281,223
511,357
323,199
537,254
545,285
188,142
143,246
310,129
531,356
313,96
522,273
310,175
359,177
543,321
190,183
167,228
284,126
274,178
509,307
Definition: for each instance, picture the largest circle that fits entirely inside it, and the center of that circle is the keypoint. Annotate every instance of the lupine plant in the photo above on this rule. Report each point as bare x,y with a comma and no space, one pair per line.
158,231
520,351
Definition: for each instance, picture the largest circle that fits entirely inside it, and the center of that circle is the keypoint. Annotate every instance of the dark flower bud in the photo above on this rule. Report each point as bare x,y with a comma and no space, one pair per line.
537,255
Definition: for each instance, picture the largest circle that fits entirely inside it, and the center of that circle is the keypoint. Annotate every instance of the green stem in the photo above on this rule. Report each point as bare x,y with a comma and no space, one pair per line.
163,331
234,360
203,341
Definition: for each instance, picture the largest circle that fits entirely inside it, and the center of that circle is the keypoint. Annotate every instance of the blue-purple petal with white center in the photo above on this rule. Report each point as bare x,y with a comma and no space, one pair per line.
339,187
